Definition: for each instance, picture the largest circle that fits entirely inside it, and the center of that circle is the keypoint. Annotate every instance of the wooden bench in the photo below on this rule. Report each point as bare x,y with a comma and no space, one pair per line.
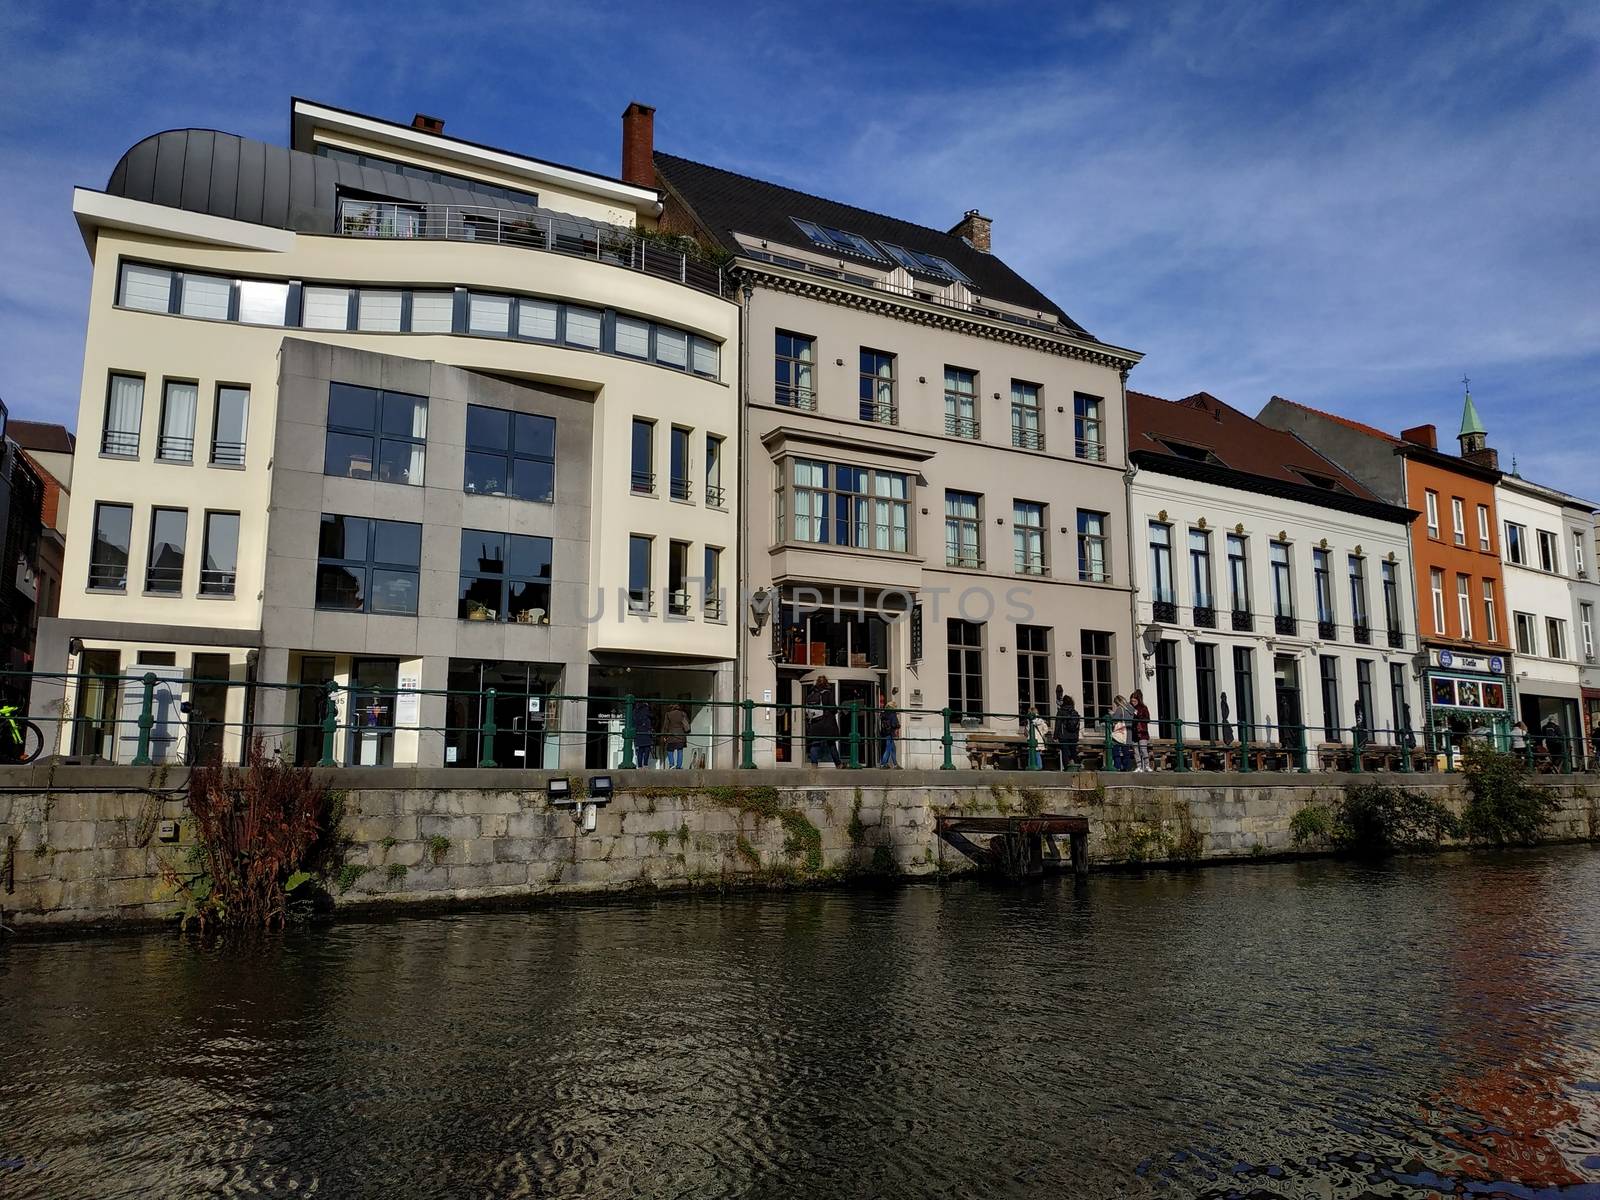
992,750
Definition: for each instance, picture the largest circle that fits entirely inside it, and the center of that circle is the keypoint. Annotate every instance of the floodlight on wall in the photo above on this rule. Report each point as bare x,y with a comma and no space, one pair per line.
559,791
600,789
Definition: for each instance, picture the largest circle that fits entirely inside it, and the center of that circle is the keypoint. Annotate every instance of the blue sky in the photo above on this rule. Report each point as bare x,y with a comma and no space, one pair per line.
1351,205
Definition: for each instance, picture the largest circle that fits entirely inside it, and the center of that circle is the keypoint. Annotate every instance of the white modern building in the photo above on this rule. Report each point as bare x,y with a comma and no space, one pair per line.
1273,589
357,411
1552,598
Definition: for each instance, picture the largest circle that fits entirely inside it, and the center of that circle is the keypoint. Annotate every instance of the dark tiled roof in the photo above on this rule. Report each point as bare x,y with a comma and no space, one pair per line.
727,203
41,436
1202,434
1369,430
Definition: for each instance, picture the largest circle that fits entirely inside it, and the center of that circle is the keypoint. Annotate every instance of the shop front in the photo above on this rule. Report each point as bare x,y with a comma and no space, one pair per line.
1468,695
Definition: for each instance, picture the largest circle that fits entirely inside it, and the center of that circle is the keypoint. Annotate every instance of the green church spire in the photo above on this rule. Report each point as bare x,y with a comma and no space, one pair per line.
1470,422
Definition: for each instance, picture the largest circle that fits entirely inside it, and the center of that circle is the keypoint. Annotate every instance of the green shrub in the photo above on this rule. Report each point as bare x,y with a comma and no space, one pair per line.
1504,807
1312,825
1375,820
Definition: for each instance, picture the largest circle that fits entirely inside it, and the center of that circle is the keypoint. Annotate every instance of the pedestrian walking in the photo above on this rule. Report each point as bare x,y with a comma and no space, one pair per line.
888,729
1121,718
1040,728
1068,726
644,733
674,734
822,727
1141,731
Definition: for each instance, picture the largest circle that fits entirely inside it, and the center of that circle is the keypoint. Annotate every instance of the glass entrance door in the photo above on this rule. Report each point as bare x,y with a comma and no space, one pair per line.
1286,675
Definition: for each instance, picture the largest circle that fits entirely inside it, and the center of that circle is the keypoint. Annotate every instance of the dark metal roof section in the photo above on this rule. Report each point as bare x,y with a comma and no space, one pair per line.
727,203
225,175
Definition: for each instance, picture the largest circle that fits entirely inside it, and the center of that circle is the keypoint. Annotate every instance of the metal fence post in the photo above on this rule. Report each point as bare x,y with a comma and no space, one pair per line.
1033,748
1527,752
1355,749
330,723
1449,754
1405,753
1566,756
1110,763
748,761
949,763
1179,763
627,733
487,731
1302,748
1244,749
855,734
147,720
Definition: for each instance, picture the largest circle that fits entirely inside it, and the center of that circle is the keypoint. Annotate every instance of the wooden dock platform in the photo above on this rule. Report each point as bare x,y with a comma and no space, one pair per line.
1018,847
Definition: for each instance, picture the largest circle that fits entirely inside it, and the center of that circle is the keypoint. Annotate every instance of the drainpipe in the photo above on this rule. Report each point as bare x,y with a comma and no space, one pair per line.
741,534
1127,509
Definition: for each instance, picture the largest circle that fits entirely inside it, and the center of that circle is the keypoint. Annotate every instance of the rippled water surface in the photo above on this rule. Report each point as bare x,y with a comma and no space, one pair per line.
1304,1030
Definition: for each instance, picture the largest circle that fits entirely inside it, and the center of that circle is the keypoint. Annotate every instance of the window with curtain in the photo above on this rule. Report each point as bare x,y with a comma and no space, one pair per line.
219,564
124,410
205,296
877,387
263,302
489,314
793,366
108,555
632,337
510,454
963,545
960,402
232,417
1027,419
1027,536
433,312
672,347
707,357
1092,547
146,288
324,307
583,327
176,441
379,311
374,434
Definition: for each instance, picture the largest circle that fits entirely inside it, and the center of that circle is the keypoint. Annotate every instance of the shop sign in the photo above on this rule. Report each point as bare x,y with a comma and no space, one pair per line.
1454,660
1449,691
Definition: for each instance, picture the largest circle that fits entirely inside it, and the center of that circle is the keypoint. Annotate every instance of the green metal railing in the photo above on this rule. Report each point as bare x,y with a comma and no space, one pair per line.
145,718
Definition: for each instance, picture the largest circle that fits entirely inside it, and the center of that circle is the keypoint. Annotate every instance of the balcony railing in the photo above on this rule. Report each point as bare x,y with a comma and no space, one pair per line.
1363,633
643,483
1243,621
227,454
1031,564
1092,449
1205,616
641,601
712,607
961,558
163,579
714,496
1285,625
1325,630
681,488
1396,639
109,577
795,397
879,412
216,583
120,442
961,427
550,232
678,603
170,448
1027,439
1165,611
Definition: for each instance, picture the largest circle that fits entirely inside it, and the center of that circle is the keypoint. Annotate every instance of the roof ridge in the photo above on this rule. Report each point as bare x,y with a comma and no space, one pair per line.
945,233
1349,421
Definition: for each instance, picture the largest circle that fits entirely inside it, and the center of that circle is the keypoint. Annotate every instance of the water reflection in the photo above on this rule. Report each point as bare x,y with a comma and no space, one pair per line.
1287,1030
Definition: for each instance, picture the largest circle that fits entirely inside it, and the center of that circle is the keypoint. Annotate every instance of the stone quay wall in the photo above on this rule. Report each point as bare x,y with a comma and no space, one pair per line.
83,846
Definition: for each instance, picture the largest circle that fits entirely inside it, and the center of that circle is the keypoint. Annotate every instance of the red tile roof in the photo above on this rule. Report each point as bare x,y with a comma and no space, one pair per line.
41,436
1229,438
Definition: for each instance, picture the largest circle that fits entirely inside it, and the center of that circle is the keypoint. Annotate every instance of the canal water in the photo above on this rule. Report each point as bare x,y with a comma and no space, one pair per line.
1292,1030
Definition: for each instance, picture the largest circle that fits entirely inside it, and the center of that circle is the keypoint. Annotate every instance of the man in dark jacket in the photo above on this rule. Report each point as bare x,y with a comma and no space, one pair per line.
1068,726
644,732
822,726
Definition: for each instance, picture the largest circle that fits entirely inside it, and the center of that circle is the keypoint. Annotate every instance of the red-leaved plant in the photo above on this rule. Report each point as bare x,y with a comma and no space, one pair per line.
259,830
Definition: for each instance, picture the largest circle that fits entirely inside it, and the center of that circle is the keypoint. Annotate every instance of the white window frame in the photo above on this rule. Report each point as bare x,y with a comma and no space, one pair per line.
1431,503
1491,628
1586,627
1464,604
1556,634
1458,520
1436,580
1484,543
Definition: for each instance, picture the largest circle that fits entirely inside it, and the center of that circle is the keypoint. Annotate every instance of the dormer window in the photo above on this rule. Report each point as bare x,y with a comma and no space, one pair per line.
1325,482
1193,453
840,240
925,264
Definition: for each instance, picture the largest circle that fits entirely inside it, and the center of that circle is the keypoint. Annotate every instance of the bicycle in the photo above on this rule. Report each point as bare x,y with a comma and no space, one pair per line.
21,741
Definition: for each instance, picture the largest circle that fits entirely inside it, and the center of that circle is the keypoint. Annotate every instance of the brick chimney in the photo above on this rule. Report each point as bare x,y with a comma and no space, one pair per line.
1421,435
427,124
639,145
974,226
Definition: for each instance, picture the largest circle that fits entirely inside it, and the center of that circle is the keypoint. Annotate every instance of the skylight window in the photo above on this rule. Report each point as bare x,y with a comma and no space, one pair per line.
1194,453
925,264
839,239
1326,483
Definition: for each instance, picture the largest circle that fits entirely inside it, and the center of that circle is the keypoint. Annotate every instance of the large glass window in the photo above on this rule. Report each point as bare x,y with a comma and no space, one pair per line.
169,530
1548,558
263,302
367,565
583,327
1027,534
1282,581
1088,427
1168,707
712,584
1244,691
1323,587
678,597
672,347
1401,724
714,493
375,434
1095,653
643,477
1464,604
843,505
504,577
538,320
1516,543
1092,563
1332,721
146,288
1238,573
877,387
1366,720
1205,688
510,454
1458,520
794,370
124,410
960,402
678,461
964,654
379,310
641,597
108,557
490,315
176,441
205,296
1200,568
1431,504
1491,620
1033,670
324,307
230,419
1027,416
632,337
1162,586
1391,597
1436,584
219,564
1358,593
963,544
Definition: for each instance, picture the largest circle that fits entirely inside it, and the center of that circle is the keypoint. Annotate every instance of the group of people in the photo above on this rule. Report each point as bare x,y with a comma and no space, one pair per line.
823,731
670,737
1551,740
1055,740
